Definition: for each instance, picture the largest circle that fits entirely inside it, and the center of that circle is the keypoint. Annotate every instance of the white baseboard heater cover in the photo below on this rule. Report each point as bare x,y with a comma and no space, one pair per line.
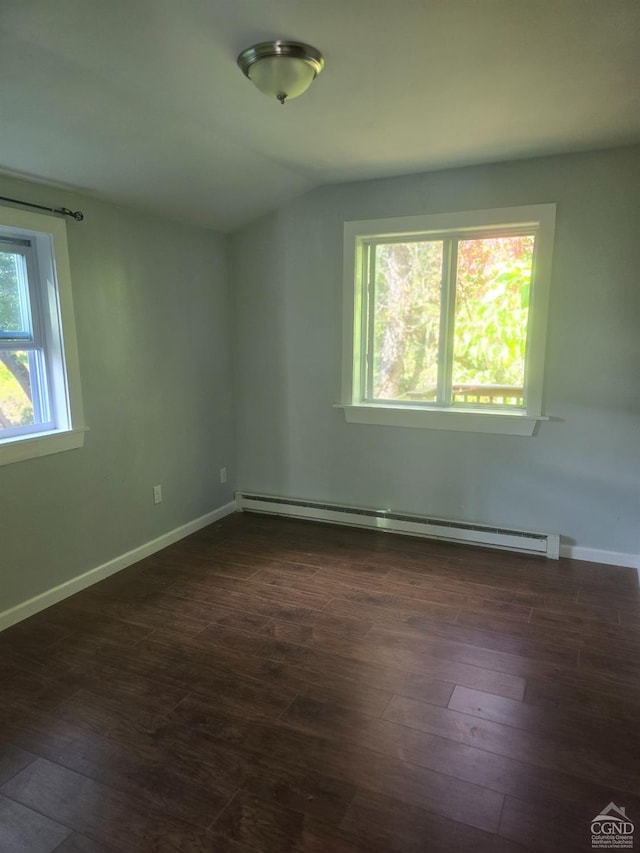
526,542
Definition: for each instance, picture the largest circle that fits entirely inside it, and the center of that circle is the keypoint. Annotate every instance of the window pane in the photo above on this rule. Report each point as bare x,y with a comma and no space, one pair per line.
406,320
492,310
22,398
15,319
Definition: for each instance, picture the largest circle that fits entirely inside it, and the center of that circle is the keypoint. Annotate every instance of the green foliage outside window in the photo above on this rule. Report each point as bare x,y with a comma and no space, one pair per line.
493,278
16,407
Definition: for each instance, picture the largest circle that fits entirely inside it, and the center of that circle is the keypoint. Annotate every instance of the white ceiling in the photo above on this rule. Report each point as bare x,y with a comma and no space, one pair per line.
141,101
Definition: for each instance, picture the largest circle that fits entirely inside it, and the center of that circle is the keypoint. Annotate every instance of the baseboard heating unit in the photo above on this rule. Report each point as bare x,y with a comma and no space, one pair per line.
463,532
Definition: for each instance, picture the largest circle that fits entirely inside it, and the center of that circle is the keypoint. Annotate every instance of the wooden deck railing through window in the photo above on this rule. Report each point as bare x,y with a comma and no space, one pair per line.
496,395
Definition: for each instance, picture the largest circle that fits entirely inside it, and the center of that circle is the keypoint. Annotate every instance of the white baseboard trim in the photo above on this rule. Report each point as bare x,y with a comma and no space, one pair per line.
80,582
608,558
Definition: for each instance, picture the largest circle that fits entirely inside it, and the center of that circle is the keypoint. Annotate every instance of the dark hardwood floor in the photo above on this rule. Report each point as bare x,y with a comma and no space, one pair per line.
267,686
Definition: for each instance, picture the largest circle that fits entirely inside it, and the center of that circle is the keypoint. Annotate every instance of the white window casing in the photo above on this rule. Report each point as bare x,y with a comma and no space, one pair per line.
357,399
51,303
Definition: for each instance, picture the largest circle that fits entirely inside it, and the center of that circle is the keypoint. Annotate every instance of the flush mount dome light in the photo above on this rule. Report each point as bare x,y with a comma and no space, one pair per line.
281,69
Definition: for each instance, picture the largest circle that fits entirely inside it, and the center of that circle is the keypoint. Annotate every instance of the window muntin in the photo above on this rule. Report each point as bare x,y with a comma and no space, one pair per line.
40,400
487,363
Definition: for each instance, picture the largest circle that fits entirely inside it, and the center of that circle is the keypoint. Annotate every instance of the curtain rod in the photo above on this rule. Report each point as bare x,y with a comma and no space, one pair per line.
64,211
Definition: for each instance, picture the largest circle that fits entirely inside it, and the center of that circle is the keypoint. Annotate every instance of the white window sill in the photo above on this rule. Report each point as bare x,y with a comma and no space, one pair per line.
459,420
43,444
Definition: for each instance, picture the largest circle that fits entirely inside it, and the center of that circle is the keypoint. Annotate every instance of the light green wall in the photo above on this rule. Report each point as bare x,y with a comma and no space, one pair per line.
152,315
579,476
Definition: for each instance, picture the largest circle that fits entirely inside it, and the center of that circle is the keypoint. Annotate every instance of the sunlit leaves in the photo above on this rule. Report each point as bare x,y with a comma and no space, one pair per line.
407,316
490,314
16,408
492,301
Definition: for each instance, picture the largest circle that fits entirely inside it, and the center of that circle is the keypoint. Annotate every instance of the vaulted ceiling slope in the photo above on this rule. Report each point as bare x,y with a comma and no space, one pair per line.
142,102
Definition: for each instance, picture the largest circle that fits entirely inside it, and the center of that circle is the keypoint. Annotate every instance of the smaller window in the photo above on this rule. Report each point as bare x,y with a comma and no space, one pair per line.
40,403
445,317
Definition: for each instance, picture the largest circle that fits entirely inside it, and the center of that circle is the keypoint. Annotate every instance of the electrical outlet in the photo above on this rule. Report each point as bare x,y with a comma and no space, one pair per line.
223,475
157,494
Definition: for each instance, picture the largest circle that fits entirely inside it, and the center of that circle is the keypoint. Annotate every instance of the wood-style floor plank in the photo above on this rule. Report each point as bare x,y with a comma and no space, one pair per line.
12,761
77,843
591,760
22,829
111,817
543,722
189,790
392,822
263,826
268,685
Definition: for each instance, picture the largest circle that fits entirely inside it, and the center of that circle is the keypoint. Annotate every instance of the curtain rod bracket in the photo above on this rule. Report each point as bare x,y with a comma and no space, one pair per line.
78,215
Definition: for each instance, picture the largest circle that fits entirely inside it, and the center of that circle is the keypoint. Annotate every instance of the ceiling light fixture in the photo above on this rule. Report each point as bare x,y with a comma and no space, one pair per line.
281,69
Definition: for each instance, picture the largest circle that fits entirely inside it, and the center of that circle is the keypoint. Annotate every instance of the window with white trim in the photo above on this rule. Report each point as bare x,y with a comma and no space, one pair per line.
40,400
445,319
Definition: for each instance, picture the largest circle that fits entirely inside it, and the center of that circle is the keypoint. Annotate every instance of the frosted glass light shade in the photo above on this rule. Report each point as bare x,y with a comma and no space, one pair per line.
281,69
282,75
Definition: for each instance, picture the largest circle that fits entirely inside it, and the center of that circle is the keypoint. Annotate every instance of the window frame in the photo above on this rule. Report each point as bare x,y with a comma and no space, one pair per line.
538,219
53,332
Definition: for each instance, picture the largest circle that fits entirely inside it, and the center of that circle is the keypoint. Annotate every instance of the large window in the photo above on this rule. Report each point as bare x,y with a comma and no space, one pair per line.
40,405
445,319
